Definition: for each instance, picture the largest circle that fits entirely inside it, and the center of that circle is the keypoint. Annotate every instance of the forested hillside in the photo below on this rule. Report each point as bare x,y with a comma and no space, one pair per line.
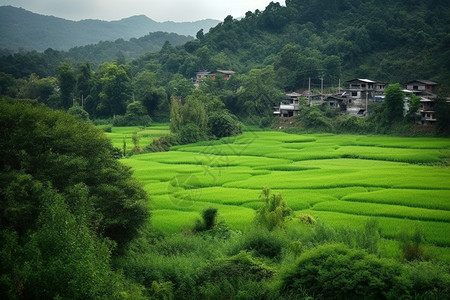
382,40
22,29
45,63
389,41
272,51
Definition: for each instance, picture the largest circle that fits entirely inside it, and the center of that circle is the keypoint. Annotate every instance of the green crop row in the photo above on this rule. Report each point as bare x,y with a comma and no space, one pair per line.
384,210
433,199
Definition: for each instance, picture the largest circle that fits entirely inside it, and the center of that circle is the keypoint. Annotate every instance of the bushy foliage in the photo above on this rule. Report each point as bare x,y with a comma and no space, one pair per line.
393,103
62,258
274,210
66,204
163,143
136,115
430,280
262,243
46,148
208,220
338,272
222,124
350,124
442,116
411,242
79,112
240,276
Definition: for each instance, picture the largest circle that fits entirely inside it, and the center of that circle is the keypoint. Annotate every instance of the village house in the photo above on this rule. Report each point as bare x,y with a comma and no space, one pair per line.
204,74
226,73
289,105
362,89
425,89
422,88
338,101
361,92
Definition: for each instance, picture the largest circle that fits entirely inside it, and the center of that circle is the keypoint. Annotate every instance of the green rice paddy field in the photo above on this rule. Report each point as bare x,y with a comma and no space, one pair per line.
340,179
145,135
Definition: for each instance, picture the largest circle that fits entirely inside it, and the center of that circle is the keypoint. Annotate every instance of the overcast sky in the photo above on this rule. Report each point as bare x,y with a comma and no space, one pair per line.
158,10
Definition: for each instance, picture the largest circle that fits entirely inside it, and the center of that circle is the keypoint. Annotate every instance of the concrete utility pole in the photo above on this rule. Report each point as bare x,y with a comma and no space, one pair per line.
321,88
309,91
367,100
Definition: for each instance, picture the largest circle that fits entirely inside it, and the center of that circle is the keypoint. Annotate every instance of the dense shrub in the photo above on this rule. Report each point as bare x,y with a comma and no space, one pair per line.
314,118
237,277
274,210
430,280
208,220
222,124
190,133
163,143
335,271
411,242
262,242
136,115
58,150
79,112
350,124
66,204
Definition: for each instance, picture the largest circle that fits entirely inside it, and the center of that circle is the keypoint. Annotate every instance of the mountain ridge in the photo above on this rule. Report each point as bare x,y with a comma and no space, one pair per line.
21,29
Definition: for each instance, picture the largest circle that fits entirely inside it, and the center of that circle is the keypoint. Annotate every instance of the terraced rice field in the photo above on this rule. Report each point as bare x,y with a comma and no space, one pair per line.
340,179
146,135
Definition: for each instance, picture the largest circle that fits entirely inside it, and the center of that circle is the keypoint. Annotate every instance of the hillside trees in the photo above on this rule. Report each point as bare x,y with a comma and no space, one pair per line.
393,104
154,99
48,149
66,203
116,90
443,116
258,93
66,82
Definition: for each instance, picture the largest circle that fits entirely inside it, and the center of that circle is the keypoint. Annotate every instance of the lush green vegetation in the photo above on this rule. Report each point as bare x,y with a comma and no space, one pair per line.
344,207
318,210
393,178
375,226
66,205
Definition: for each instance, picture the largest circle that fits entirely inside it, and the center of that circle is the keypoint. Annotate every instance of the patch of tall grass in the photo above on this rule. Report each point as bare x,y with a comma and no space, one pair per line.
435,232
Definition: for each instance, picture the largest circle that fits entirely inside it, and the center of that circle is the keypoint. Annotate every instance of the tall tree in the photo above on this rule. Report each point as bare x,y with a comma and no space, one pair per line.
83,84
52,148
393,105
116,90
258,93
66,81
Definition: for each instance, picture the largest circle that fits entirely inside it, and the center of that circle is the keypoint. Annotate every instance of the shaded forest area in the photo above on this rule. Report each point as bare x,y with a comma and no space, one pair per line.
382,40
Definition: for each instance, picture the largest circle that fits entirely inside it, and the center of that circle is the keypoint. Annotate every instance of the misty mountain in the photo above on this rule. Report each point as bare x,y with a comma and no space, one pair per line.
22,29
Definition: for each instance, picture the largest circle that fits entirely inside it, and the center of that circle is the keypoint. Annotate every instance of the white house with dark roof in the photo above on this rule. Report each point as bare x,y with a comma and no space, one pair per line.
364,88
289,105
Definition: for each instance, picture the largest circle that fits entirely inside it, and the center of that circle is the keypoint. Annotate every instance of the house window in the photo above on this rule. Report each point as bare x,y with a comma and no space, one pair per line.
363,85
354,94
415,87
